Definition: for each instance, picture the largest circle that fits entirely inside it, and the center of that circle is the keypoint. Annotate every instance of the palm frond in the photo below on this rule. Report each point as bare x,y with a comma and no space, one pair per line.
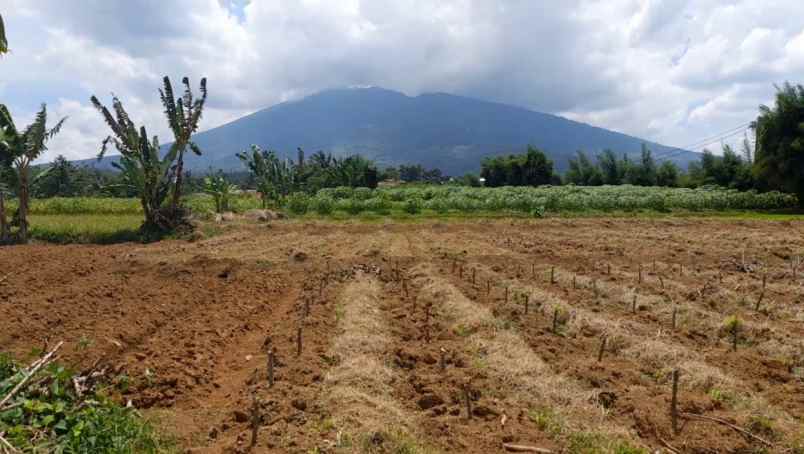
3,40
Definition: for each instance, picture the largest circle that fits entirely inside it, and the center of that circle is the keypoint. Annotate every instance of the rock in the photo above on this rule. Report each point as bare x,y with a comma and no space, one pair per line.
429,401
429,359
240,416
484,412
259,215
607,399
195,236
299,256
228,216
218,218
299,404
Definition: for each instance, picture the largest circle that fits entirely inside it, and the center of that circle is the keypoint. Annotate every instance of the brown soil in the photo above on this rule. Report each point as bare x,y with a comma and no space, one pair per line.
184,329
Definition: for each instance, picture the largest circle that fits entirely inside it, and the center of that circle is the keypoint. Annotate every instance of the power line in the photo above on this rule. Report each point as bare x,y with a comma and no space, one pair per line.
716,137
703,142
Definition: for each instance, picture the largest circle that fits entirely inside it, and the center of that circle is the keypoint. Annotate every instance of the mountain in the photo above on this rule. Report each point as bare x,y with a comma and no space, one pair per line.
449,132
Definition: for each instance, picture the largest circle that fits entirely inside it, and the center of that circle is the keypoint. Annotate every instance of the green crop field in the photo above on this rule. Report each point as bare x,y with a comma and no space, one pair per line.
537,201
106,220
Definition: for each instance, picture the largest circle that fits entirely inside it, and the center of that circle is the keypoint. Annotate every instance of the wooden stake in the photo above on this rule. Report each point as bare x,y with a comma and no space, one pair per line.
639,279
299,341
427,323
661,281
654,266
271,360
533,271
675,310
634,304
443,361
527,300
468,401
735,334
602,349
608,269
506,294
474,275
552,275
454,264
555,321
574,282
674,402
759,300
488,287
405,287
460,271
255,419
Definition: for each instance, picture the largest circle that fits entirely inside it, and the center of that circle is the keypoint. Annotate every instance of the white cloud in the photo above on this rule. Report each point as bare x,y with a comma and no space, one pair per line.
672,71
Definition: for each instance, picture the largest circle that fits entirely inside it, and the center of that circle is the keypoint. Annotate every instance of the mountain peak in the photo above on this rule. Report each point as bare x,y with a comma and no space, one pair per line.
453,133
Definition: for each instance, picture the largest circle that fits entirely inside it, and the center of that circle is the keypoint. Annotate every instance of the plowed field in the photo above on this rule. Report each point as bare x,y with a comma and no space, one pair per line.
442,337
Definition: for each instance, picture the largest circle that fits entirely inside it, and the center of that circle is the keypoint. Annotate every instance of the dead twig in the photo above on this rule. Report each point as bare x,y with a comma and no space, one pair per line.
669,446
525,448
31,372
729,425
7,447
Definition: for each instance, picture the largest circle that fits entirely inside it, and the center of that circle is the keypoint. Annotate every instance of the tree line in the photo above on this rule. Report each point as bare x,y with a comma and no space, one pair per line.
158,179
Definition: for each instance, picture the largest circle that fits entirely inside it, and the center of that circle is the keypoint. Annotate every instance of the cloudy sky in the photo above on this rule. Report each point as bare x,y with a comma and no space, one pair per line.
671,71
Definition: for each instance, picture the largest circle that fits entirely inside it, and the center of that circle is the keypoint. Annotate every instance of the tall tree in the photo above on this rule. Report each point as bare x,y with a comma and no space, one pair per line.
667,175
60,180
583,172
610,168
22,148
529,169
183,115
779,154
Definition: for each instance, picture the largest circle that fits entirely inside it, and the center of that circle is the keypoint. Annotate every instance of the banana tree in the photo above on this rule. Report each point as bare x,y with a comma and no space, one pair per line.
3,40
275,178
221,191
183,115
21,149
140,165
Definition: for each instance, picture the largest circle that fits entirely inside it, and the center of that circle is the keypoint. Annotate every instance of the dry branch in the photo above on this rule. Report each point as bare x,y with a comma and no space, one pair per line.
669,446
7,447
729,425
38,364
524,448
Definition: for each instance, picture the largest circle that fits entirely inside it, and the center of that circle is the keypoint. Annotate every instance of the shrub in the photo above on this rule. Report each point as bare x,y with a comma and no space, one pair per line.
298,202
413,206
322,205
351,206
343,192
362,193
379,205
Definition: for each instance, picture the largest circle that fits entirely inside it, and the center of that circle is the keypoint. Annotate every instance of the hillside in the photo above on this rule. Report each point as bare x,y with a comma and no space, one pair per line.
439,130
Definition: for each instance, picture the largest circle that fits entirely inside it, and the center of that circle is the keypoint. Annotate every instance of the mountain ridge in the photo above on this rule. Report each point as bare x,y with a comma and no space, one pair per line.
450,132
